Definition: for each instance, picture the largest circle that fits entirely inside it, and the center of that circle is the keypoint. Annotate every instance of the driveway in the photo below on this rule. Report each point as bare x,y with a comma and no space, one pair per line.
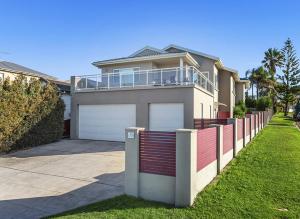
60,176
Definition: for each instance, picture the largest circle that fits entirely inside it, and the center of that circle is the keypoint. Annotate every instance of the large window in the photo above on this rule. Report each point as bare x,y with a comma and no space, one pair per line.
126,76
216,82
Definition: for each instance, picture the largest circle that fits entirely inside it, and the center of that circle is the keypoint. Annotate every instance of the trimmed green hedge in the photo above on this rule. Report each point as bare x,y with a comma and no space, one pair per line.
31,113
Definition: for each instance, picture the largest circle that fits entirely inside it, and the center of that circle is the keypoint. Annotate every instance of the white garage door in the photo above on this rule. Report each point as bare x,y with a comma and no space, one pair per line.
106,122
166,116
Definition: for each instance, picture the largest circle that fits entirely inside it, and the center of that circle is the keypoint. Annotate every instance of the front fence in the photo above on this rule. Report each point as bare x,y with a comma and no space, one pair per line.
158,152
173,167
205,123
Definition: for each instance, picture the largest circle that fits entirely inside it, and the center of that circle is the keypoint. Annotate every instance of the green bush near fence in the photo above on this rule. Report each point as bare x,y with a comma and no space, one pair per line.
31,113
239,110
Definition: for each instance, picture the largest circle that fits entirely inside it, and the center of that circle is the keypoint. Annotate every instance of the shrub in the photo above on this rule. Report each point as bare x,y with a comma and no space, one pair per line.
263,103
239,110
250,103
31,113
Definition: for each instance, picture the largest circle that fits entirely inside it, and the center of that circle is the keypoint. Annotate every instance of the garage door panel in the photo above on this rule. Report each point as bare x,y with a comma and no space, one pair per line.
106,122
166,116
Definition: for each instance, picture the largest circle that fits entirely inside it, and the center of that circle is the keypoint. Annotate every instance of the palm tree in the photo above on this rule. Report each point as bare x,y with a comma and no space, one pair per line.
273,59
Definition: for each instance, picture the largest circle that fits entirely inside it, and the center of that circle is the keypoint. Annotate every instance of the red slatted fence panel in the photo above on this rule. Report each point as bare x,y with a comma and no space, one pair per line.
256,120
252,122
227,138
240,129
223,115
158,152
248,127
206,147
204,123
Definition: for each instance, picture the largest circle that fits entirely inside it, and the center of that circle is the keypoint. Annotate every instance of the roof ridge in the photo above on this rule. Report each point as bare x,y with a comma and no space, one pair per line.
147,47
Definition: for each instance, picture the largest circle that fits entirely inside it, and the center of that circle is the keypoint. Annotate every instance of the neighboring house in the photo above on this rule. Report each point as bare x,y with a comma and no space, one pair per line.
11,70
158,89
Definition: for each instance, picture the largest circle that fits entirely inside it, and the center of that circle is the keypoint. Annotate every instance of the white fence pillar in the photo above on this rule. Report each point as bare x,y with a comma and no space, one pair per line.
132,161
186,167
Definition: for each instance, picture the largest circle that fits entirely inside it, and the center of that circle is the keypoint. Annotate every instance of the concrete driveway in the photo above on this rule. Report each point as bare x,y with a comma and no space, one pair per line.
60,176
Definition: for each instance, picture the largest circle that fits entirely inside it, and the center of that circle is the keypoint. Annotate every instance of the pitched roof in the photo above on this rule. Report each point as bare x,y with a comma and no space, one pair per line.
19,69
191,51
147,51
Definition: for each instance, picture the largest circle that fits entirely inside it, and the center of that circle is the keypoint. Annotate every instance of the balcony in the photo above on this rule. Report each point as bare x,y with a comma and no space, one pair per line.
144,78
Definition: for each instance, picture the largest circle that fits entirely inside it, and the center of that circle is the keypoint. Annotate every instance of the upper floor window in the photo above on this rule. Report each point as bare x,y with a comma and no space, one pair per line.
216,81
125,75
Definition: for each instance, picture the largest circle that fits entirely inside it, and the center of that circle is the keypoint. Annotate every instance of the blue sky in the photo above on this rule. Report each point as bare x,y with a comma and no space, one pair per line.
63,37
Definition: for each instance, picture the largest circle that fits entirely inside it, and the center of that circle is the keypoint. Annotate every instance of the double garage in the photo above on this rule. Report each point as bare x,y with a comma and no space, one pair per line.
108,121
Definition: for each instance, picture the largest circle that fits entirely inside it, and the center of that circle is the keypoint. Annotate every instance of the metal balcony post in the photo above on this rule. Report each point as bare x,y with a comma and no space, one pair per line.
108,81
161,77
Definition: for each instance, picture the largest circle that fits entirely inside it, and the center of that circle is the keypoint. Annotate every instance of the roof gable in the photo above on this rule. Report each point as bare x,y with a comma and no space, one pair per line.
174,48
9,66
147,51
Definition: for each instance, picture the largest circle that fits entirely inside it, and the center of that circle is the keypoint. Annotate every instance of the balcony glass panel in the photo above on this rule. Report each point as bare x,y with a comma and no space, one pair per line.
132,77
140,78
114,80
91,82
154,77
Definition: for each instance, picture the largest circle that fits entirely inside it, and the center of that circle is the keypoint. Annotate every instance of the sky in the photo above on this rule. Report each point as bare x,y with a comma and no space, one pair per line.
63,37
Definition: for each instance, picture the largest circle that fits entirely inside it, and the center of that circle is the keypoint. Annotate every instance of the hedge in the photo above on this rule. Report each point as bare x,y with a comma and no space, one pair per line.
31,113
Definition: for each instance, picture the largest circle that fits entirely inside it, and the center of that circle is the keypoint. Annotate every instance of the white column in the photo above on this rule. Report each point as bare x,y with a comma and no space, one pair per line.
186,71
132,161
186,167
181,70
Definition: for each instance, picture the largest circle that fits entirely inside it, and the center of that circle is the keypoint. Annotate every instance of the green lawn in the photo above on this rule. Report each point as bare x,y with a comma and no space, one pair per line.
262,182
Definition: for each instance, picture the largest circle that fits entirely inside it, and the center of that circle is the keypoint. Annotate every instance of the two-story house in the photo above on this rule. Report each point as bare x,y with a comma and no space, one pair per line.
158,89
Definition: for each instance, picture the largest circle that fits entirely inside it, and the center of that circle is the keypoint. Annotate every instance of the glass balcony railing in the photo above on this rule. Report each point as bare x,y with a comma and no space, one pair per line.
142,78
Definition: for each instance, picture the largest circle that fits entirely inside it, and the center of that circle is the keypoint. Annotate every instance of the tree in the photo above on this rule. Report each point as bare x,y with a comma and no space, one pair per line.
272,60
290,77
262,80
250,75
31,113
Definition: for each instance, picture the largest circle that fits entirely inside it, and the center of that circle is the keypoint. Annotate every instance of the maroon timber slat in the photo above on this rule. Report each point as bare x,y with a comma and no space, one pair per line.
206,147
248,127
227,138
223,115
204,123
240,129
157,152
252,122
